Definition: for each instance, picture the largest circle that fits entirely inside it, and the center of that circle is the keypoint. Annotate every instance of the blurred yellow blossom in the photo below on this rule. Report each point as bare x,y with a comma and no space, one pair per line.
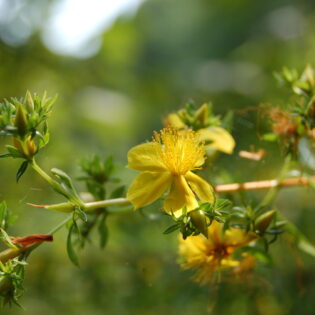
215,253
167,163
214,137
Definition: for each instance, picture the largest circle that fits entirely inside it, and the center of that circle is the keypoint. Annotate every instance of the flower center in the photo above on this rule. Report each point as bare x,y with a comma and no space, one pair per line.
180,151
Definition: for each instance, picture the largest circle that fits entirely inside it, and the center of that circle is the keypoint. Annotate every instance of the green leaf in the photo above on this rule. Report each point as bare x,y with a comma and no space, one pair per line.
301,240
109,165
103,231
222,203
81,214
5,155
21,170
6,239
171,229
15,153
118,192
270,137
70,250
3,215
64,177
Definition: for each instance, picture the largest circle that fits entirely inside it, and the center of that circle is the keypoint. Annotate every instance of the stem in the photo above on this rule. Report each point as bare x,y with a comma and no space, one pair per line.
273,184
106,203
272,193
53,183
60,225
264,184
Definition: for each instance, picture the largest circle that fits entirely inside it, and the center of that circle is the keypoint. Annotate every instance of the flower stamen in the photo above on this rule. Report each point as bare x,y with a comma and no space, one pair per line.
180,151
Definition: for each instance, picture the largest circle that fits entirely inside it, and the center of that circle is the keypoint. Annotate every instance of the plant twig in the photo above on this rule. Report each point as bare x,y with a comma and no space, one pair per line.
264,184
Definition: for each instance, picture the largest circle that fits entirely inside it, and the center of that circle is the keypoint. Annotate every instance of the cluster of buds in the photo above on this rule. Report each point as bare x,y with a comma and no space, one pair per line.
24,120
295,121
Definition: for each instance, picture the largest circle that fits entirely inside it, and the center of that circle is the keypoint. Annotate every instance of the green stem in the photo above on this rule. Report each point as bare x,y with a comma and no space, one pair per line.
272,193
53,231
89,206
106,203
53,183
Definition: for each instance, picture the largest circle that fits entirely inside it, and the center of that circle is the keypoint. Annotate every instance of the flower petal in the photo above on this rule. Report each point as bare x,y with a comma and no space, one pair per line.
220,139
144,157
180,196
147,187
173,120
200,187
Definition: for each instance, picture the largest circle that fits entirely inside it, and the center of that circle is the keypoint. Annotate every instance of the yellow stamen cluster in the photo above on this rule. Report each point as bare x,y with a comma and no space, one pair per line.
180,151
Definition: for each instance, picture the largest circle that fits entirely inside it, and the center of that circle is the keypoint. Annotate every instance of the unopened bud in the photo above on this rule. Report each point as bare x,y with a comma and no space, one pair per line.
62,207
263,221
19,145
174,121
199,221
21,121
202,114
31,147
29,103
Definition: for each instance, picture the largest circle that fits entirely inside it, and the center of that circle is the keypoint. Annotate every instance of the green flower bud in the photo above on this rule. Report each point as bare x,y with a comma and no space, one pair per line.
199,221
29,103
21,121
263,221
62,207
202,114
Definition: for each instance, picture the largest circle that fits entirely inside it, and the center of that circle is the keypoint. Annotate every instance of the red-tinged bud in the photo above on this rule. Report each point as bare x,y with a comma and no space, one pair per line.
31,239
62,207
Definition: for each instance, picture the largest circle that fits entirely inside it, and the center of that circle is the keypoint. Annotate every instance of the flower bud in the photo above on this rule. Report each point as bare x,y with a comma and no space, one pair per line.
62,207
19,145
199,221
31,147
29,103
202,114
263,221
21,121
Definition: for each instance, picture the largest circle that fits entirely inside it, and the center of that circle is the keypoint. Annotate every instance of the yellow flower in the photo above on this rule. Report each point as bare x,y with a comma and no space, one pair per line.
208,255
216,138
166,163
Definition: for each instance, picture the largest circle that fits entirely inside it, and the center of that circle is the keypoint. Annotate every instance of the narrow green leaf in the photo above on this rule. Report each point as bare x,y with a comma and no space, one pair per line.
5,155
15,153
103,231
118,192
81,214
70,250
21,170
222,203
171,229
64,177
6,239
301,240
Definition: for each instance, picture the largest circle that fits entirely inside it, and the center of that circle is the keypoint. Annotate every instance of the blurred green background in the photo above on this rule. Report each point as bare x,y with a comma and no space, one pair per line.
113,90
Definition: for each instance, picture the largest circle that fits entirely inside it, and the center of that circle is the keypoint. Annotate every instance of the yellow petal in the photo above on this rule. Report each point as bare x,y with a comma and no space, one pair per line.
144,157
237,237
147,187
180,196
200,187
220,139
173,120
